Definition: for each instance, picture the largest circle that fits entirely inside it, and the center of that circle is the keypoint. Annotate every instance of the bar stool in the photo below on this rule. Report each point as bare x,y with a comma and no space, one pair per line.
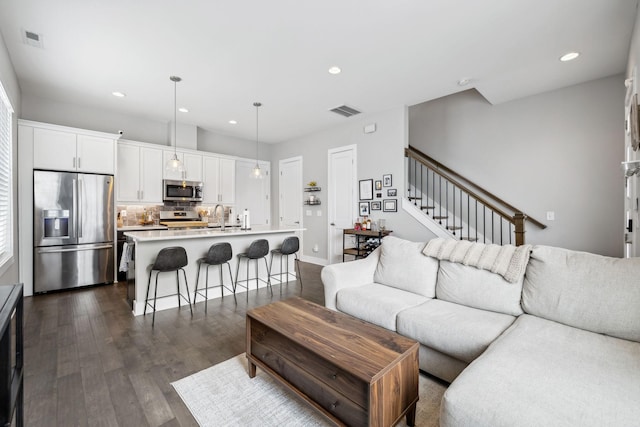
218,254
173,258
257,249
290,246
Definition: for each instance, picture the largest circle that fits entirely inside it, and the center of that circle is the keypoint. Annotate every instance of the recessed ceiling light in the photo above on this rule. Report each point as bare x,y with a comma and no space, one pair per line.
233,122
335,70
569,56
119,94
464,82
183,110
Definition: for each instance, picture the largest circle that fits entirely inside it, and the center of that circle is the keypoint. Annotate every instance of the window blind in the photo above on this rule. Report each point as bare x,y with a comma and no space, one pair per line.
6,211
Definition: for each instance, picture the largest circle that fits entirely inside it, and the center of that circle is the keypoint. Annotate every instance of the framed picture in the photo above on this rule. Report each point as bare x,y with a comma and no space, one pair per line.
378,185
378,195
389,205
366,189
376,206
386,180
392,192
364,209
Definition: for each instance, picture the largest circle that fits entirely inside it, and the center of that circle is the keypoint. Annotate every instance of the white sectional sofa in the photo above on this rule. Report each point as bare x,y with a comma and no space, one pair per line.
559,346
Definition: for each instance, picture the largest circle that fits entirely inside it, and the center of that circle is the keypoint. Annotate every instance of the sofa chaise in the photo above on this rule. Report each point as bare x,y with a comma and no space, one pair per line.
558,344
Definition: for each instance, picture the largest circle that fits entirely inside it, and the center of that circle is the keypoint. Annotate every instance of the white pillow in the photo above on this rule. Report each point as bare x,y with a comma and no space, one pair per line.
402,265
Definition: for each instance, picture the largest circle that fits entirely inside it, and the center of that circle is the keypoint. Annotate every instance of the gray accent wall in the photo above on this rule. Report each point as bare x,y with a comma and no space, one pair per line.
558,151
10,273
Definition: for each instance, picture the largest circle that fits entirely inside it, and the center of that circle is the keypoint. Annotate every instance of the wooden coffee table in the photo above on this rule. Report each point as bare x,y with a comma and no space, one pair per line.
353,372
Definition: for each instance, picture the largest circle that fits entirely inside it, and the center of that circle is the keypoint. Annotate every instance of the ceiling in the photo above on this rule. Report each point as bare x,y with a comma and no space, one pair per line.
233,53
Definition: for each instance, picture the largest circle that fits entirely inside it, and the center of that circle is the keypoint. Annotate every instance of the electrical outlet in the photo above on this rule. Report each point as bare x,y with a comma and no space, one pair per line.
123,212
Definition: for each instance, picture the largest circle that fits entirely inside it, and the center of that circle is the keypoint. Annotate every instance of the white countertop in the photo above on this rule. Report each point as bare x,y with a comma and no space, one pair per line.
199,233
141,227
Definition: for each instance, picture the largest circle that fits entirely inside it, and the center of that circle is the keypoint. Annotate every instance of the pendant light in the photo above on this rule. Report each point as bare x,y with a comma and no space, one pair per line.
174,166
256,172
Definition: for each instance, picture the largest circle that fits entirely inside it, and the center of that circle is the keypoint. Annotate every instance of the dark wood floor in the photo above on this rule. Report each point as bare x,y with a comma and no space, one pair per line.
90,362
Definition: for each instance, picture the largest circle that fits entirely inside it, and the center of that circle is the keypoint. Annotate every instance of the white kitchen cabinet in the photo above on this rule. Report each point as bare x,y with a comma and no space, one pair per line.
192,166
69,151
139,178
219,176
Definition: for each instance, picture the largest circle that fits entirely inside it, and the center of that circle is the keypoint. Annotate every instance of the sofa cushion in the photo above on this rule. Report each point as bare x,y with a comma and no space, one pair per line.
542,373
376,303
459,331
403,266
588,291
478,288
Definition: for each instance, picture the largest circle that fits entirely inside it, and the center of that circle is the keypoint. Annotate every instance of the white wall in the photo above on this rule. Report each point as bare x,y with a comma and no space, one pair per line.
633,247
557,151
10,273
381,152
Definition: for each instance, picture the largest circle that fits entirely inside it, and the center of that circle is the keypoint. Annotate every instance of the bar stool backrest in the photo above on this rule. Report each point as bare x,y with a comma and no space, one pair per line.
219,253
258,249
290,245
170,259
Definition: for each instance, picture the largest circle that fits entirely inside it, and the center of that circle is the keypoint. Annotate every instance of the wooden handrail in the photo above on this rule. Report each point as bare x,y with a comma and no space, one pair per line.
451,174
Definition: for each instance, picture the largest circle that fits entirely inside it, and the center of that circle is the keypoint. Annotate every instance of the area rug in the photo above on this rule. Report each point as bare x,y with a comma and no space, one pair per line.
224,395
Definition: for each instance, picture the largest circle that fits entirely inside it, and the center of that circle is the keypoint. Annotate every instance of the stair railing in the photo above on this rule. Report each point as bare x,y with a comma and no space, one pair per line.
466,210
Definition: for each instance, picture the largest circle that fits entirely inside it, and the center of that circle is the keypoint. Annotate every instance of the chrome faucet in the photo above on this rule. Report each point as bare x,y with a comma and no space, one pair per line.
221,220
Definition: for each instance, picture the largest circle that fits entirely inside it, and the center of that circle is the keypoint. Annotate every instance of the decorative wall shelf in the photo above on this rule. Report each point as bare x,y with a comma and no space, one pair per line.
310,189
312,199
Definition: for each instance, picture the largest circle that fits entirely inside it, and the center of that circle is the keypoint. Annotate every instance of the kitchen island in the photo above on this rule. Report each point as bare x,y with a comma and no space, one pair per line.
196,242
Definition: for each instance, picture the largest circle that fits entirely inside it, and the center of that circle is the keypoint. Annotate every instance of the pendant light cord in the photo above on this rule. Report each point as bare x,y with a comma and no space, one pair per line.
257,105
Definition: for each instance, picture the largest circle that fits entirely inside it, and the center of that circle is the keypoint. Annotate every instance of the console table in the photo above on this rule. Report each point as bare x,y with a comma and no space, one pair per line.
11,355
366,242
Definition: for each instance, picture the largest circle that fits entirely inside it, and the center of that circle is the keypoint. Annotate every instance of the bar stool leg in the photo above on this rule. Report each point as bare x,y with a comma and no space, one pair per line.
296,266
206,289
178,288
186,284
146,300
231,278
155,296
268,274
195,295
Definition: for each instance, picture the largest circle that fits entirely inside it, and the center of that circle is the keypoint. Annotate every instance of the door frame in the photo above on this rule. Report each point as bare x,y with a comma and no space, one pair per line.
330,201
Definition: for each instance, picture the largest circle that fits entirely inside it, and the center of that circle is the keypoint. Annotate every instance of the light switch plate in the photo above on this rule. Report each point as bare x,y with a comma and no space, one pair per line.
308,212
551,216
319,213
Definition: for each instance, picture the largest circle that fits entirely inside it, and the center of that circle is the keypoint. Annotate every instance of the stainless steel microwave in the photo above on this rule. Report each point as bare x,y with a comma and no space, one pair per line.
181,191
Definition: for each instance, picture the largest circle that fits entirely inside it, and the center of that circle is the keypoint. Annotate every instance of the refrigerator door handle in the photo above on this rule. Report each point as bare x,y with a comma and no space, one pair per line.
74,208
80,207
74,249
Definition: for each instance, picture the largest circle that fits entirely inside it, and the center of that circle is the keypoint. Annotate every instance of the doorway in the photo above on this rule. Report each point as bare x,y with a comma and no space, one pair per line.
341,197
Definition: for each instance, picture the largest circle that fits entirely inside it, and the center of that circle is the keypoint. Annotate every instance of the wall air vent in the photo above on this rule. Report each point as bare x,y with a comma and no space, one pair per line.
345,111
32,39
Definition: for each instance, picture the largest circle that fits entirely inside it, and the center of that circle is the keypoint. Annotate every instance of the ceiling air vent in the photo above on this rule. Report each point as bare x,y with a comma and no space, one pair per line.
345,111
32,39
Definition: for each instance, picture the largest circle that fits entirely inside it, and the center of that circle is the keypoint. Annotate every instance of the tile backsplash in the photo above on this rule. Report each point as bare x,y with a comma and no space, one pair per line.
135,213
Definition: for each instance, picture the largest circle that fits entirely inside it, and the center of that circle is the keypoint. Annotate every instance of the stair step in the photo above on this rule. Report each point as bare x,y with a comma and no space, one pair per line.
440,217
454,227
415,198
470,239
427,207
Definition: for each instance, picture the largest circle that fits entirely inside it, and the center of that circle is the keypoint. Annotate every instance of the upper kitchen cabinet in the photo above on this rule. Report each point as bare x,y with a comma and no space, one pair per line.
68,149
219,178
140,170
192,166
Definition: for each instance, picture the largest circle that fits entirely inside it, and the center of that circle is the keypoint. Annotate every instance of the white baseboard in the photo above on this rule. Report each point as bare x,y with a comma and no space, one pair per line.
314,260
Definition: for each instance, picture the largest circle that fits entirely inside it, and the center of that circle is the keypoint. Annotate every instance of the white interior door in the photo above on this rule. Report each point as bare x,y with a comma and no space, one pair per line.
253,194
290,188
341,197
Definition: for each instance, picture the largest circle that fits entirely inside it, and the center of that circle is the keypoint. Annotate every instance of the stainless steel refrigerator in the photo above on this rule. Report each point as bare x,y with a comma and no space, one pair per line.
72,229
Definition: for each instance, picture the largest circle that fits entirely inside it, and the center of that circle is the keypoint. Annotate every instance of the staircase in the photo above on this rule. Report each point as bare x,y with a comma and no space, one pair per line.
461,209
